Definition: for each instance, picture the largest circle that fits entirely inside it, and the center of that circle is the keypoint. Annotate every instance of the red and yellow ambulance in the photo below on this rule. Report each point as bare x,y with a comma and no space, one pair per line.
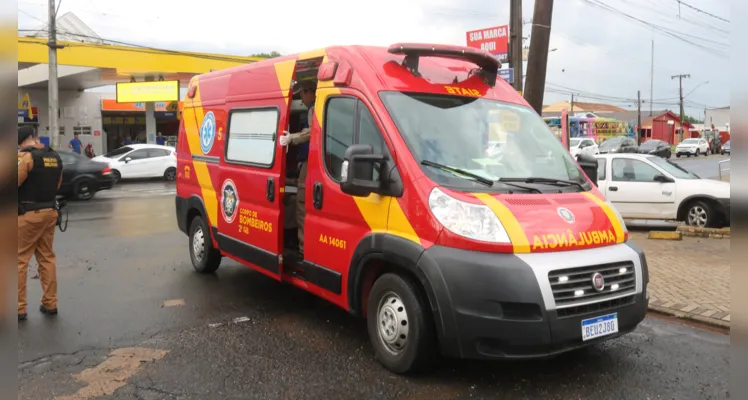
439,206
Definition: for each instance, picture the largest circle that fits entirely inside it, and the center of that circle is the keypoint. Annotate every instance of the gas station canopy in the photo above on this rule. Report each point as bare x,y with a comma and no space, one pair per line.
85,62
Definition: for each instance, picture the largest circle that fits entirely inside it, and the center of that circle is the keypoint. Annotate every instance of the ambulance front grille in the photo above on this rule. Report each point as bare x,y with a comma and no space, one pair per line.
573,286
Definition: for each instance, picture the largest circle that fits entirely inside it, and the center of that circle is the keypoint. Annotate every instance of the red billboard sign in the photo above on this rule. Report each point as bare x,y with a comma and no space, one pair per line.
492,40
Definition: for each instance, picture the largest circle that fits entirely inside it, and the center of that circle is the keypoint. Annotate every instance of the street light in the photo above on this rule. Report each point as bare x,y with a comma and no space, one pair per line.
694,89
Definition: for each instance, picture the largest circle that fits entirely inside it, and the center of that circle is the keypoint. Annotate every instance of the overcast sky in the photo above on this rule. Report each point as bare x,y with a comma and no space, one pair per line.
602,55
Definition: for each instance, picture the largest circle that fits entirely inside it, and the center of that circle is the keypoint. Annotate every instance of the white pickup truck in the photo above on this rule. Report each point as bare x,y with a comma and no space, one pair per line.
649,187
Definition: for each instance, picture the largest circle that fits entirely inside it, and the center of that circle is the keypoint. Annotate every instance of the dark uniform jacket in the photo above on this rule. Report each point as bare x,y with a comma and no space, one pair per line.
39,177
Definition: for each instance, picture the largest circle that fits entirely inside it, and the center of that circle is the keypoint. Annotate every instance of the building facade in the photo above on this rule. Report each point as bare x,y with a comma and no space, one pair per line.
79,112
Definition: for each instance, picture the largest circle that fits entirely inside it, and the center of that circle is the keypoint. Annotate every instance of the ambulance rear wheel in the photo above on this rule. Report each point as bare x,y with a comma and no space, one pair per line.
400,324
205,258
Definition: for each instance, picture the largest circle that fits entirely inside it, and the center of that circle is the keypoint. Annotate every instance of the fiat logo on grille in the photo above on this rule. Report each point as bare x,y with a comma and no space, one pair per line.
598,281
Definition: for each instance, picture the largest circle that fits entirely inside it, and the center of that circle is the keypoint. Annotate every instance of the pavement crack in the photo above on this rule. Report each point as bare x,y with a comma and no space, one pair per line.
33,362
149,388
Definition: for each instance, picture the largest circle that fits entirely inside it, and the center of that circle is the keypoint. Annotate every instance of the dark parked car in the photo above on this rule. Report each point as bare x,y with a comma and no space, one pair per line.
619,145
726,148
656,147
82,178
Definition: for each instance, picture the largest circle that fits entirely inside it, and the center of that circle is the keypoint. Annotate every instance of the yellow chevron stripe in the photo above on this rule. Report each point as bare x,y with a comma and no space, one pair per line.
513,228
192,117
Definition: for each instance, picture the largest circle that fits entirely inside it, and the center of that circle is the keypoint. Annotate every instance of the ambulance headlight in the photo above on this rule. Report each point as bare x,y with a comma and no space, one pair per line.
473,221
618,215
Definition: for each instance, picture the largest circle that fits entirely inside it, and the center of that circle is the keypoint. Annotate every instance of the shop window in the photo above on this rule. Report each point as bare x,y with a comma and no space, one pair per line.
81,130
251,137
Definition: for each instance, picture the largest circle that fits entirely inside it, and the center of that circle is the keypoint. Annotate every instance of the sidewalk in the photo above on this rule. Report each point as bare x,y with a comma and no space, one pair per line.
689,278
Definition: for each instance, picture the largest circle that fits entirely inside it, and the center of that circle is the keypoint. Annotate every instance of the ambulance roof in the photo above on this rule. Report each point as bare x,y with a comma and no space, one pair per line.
374,69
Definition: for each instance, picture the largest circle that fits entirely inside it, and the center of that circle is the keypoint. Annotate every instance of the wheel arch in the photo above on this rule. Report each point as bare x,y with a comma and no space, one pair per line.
379,253
189,208
683,207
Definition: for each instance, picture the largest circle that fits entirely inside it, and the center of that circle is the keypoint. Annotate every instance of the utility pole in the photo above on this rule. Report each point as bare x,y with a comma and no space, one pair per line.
568,123
537,63
515,43
680,84
638,117
572,105
54,131
651,78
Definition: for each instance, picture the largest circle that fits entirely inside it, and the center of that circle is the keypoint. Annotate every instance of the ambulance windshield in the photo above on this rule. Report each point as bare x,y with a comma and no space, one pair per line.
492,139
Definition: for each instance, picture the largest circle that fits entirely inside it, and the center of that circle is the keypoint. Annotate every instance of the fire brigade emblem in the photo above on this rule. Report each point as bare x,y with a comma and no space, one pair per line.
208,132
566,215
229,201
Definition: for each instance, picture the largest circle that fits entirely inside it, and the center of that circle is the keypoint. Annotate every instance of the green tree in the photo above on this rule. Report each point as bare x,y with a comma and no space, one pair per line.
692,120
272,54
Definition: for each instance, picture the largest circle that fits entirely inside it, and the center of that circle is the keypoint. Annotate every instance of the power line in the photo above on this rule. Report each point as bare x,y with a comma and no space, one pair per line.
644,5
671,32
702,11
668,32
32,16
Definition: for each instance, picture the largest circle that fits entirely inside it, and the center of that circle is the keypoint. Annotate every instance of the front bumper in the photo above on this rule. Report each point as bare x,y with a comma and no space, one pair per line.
685,151
501,306
105,182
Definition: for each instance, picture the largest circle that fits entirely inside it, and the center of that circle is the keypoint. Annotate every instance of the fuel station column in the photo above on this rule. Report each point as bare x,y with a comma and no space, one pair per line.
150,122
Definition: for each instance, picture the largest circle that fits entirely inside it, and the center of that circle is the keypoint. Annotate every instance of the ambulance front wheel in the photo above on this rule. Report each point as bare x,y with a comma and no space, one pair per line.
205,258
400,324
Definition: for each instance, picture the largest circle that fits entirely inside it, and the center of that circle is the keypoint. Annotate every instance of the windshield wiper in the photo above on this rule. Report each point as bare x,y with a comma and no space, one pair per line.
507,181
550,181
458,171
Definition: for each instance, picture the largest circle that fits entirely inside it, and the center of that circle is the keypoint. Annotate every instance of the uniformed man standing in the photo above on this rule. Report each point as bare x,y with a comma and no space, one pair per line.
301,139
39,177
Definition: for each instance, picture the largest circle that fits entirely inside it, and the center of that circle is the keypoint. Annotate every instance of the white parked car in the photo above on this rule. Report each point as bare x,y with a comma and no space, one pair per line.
583,145
142,161
692,147
649,187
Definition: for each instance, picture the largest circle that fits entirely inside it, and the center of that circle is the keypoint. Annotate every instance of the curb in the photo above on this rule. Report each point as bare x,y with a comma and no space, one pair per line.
683,315
665,235
712,233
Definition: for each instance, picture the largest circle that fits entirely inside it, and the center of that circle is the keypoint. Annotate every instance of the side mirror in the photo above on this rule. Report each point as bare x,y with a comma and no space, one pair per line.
357,175
583,145
589,166
127,160
663,179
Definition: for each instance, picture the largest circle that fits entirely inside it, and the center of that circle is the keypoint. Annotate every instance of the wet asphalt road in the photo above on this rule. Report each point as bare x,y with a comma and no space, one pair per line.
705,167
122,257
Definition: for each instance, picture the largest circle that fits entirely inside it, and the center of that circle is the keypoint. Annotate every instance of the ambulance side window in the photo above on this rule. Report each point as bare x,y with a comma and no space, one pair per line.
368,133
339,131
348,121
251,136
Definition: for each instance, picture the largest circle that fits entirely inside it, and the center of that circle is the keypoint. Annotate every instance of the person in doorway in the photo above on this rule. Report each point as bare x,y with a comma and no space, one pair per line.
75,144
301,139
39,178
127,141
160,139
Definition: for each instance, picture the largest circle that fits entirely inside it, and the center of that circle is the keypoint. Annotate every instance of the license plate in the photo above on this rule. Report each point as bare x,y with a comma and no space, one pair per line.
600,326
